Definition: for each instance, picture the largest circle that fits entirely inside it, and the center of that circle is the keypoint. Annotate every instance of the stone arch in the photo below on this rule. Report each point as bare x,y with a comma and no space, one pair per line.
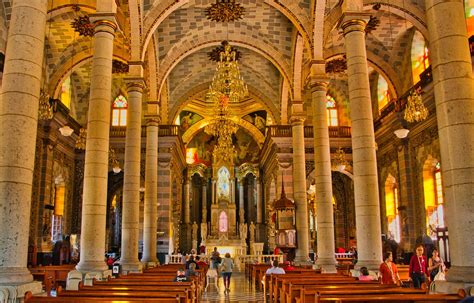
166,7
249,127
253,92
204,39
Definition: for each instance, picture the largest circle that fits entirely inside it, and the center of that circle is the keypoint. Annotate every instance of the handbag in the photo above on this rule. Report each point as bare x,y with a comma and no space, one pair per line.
440,276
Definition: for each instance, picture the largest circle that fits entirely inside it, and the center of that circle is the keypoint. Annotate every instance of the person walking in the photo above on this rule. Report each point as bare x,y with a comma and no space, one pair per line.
388,270
227,265
418,267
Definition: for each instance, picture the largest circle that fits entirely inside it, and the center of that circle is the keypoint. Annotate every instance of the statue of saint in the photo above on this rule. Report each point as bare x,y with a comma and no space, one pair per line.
203,231
243,231
195,231
252,232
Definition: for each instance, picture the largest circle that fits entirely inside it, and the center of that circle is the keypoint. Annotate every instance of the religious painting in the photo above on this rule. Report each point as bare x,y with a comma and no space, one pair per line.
187,118
246,147
223,223
258,118
223,183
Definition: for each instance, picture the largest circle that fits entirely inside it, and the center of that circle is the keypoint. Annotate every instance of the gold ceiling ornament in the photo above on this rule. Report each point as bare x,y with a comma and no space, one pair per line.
227,80
225,11
45,110
215,53
83,26
415,111
81,140
340,162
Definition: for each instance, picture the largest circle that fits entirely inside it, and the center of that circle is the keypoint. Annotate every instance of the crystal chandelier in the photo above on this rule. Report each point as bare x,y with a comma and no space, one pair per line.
227,80
340,161
415,110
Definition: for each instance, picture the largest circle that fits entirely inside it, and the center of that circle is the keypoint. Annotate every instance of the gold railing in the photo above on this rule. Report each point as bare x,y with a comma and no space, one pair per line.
164,131
286,131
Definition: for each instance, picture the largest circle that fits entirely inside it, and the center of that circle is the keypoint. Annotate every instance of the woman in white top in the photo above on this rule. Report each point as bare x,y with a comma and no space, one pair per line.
226,267
275,269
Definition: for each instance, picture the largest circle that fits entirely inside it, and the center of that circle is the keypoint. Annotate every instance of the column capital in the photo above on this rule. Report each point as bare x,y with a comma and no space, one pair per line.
135,84
297,119
104,22
353,21
318,83
152,120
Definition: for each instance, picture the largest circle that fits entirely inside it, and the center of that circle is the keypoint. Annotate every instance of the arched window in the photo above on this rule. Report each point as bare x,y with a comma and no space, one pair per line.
331,111
119,111
223,222
469,9
419,56
391,208
433,194
66,92
383,94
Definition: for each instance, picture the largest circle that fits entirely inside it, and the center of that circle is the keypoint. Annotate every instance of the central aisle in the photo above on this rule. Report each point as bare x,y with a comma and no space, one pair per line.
240,291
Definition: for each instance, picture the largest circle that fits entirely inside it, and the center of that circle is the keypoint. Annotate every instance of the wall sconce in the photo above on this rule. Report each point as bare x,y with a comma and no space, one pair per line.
66,131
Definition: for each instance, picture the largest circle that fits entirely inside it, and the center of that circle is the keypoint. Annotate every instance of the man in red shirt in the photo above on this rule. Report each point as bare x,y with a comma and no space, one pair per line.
418,267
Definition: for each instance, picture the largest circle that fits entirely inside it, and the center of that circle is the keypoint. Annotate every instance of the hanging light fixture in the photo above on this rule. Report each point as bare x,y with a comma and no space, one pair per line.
113,161
340,161
415,111
401,133
66,131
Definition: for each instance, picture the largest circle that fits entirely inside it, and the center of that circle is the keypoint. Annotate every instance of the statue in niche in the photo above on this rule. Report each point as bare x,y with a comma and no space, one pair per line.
259,122
243,231
252,232
203,231
194,231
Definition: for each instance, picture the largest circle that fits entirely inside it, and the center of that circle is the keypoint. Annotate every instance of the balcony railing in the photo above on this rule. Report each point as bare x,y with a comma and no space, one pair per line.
286,131
164,131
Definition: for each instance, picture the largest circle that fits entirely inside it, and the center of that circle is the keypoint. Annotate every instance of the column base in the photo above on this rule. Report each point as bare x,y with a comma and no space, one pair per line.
16,292
327,265
302,260
15,275
128,267
149,264
372,265
91,266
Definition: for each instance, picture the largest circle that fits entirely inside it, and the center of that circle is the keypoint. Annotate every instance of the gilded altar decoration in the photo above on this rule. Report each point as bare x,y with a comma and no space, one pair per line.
215,53
81,140
83,26
340,162
225,11
45,110
415,111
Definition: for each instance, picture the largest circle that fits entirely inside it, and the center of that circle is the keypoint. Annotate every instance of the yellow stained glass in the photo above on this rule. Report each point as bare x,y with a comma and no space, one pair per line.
419,56
331,111
383,95
389,204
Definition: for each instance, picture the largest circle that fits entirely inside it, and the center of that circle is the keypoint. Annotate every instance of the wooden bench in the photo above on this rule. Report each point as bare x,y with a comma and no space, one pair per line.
51,276
29,298
390,298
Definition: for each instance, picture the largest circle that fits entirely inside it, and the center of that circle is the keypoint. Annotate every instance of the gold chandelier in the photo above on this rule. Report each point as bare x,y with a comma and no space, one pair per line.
415,111
340,162
227,80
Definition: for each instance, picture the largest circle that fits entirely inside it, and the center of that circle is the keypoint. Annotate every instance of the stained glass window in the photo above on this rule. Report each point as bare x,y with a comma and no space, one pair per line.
119,111
469,9
331,111
223,222
434,202
383,94
391,209
419,56
66,92
223,184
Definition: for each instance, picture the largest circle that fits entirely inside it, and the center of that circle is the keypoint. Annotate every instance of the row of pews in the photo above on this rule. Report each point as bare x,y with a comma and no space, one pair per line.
307,285
153,285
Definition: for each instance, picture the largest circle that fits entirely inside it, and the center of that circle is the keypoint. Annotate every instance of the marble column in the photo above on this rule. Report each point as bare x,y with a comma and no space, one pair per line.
94,202
187,202
241,202
366,192
323,179
204,203
259,200
299,190
454,96
150,216
131,179
19,122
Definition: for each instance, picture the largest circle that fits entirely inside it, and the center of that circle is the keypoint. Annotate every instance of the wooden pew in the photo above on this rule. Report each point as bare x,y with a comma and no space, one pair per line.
51,276
390,298
29,298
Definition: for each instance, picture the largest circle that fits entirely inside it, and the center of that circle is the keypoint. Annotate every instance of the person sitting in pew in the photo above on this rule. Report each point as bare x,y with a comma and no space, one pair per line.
181,276
275,269
287,266
364,274
191,271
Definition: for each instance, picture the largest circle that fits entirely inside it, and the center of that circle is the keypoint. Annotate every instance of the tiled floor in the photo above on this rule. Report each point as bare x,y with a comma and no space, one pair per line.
240,291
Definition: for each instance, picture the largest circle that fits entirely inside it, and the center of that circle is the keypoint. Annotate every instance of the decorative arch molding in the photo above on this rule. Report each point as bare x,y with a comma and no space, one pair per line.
68,8
186,47
197,169
400,8
318,30
254,132
247,168
65,70
378,64
187,99
166,7
135,31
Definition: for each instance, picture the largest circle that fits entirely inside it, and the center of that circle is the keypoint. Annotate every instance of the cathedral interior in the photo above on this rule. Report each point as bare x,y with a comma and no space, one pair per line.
145,128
